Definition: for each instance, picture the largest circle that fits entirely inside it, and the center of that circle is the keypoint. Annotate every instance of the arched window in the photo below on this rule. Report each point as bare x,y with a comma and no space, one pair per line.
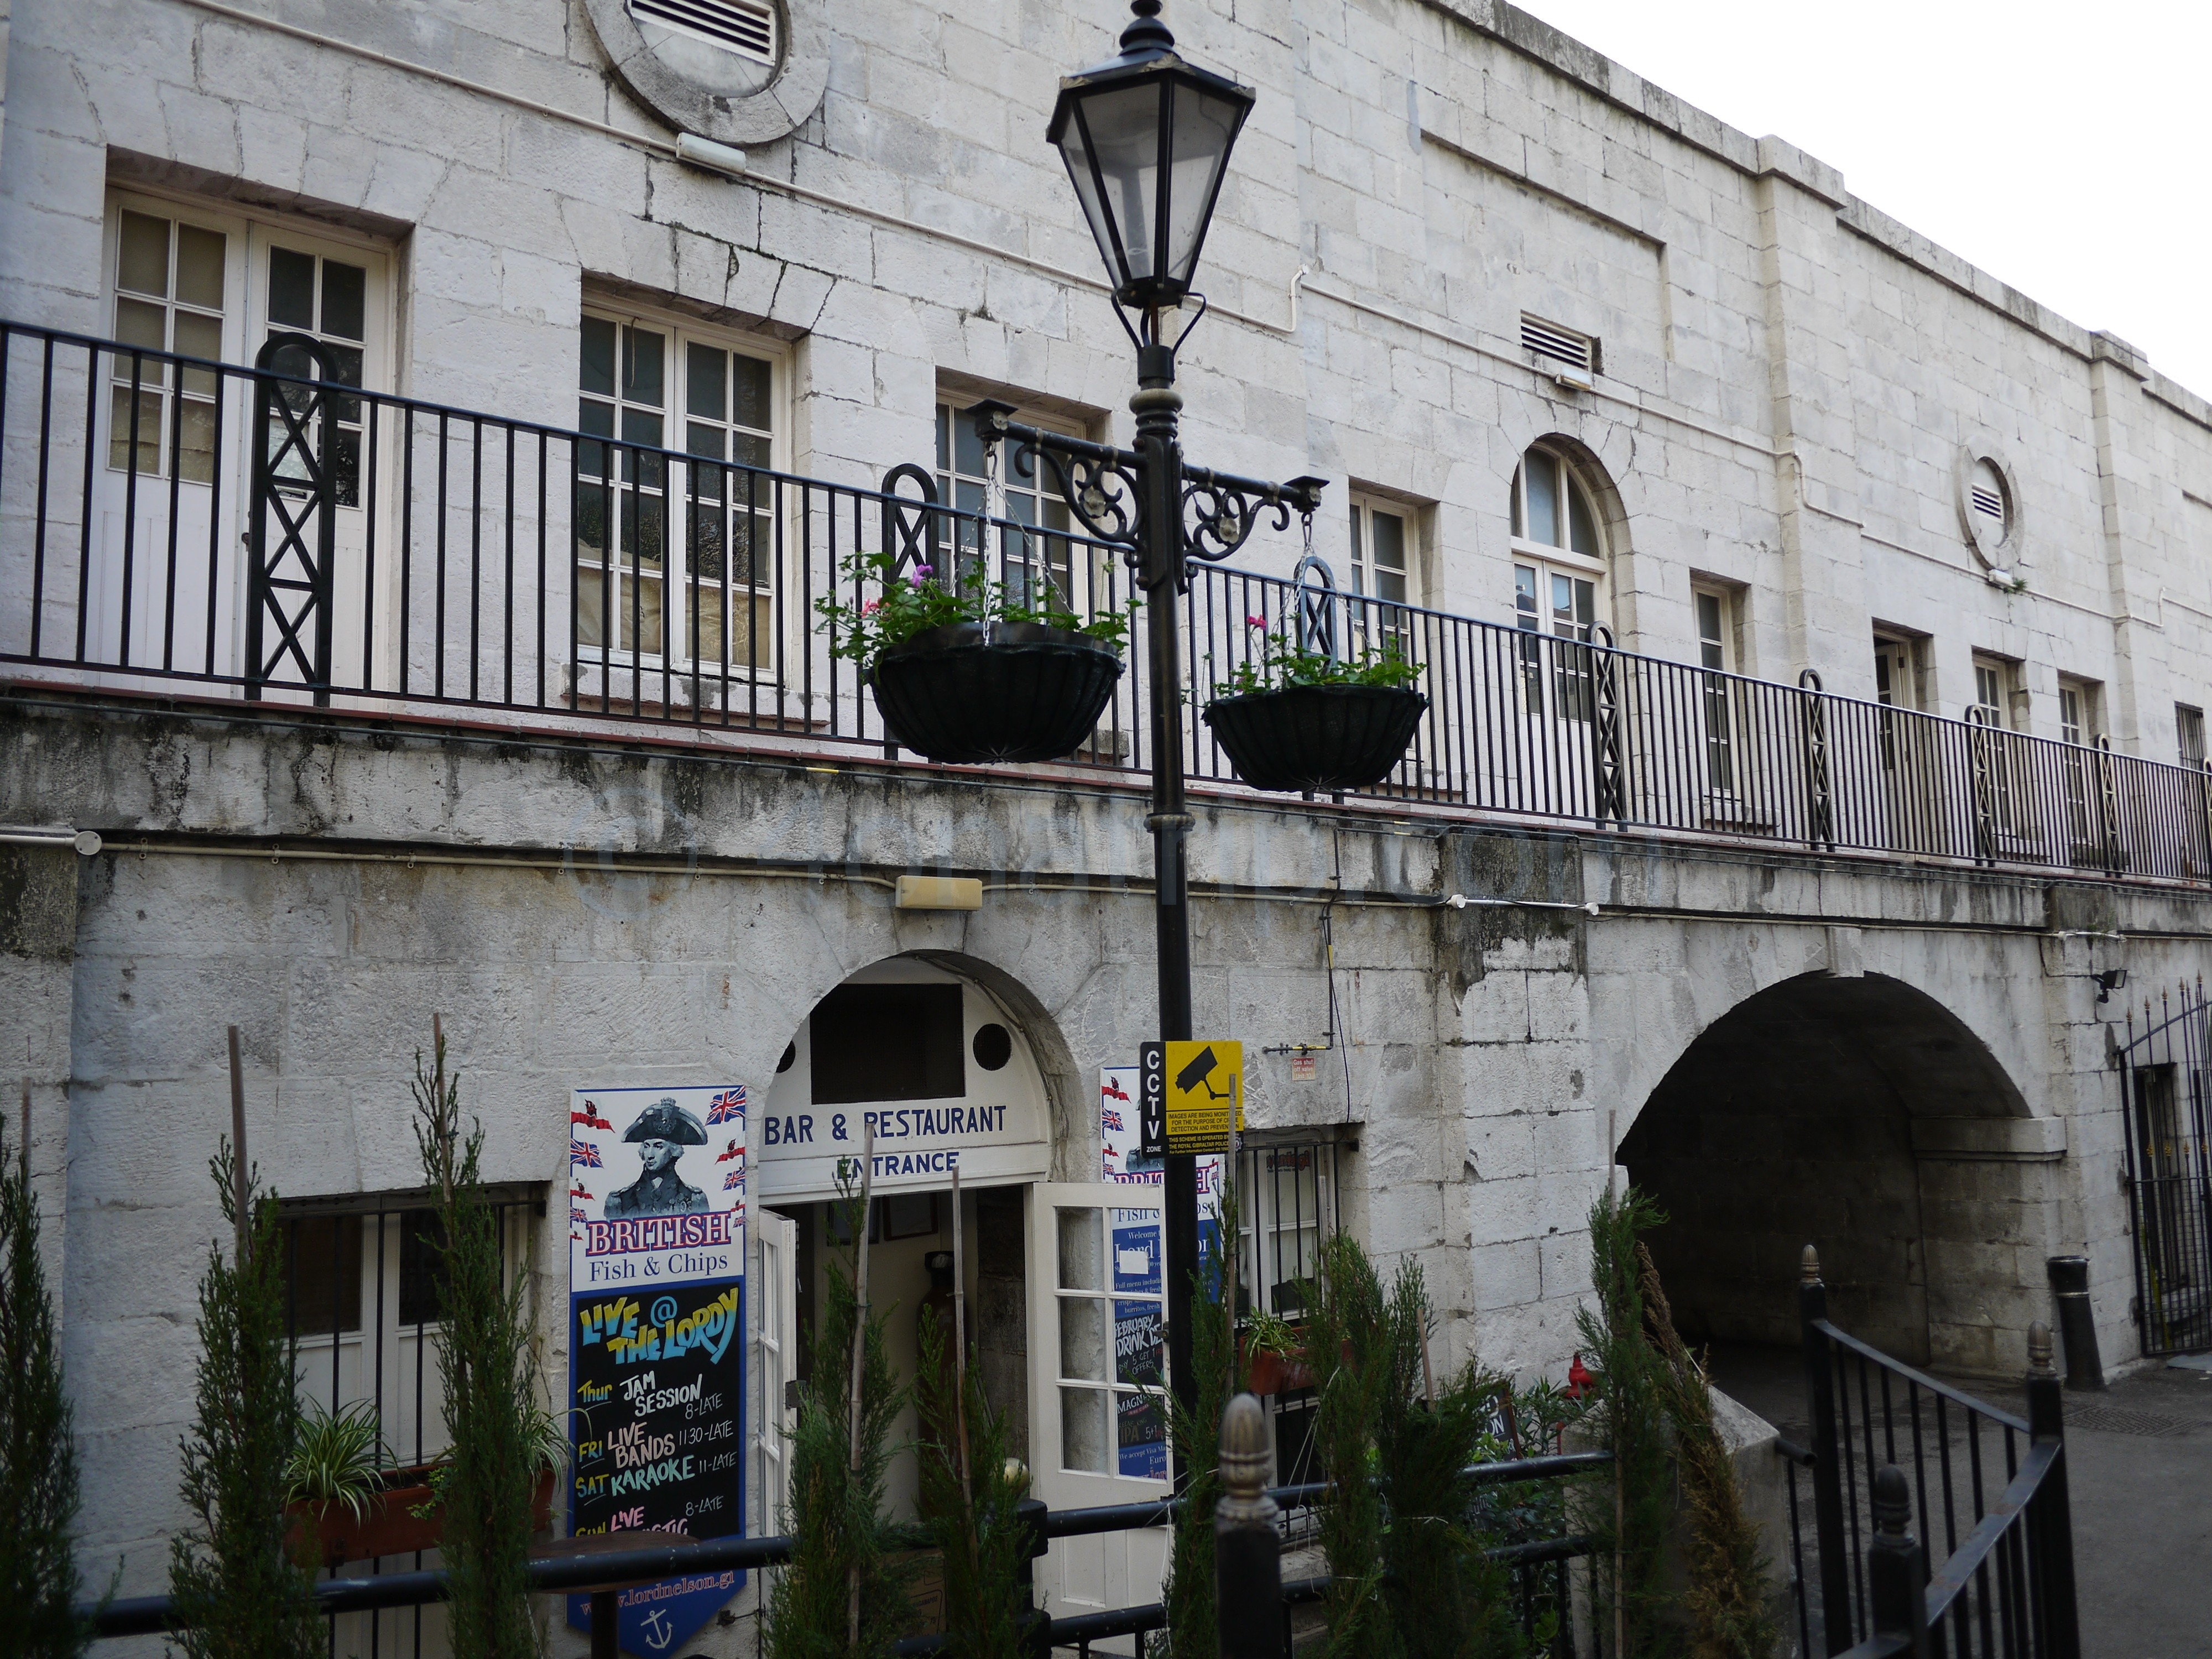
1558,571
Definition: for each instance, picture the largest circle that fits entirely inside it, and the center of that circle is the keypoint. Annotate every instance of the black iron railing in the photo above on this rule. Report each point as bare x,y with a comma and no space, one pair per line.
278,534
1541,1587
1902,1462
2165,1072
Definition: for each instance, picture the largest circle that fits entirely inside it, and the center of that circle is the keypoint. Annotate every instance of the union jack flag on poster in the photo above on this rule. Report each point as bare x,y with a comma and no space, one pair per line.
578,1215
735,1181
726,1108
583,1153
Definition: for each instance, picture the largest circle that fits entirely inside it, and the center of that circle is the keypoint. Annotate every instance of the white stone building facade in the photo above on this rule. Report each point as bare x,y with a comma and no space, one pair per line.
1567,350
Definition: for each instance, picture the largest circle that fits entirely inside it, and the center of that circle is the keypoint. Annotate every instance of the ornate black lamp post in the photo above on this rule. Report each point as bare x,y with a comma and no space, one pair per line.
1146,139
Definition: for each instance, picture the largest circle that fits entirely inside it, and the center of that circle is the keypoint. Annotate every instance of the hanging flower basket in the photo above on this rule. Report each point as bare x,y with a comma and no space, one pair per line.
1316,737
387,1525
976,692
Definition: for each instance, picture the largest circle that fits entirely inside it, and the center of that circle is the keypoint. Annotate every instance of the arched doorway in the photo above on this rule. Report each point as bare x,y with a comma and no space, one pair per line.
954,1068
1819,1111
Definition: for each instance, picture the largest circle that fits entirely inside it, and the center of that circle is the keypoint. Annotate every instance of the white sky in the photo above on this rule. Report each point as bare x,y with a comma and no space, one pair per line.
2064,149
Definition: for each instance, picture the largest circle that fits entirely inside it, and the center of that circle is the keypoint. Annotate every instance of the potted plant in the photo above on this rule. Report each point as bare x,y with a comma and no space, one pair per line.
963,672
1293,718
343,1501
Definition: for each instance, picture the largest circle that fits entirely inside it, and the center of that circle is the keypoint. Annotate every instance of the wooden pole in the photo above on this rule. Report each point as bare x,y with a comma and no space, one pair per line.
238,1165
860,1349
960,1346
23,1152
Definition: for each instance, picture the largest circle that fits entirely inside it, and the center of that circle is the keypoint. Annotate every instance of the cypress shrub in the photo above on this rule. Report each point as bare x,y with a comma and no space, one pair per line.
488,1372
237,1594
1196,1435
1630,1515
838,1533
1726,1573
1347,1351
38,1451
973,1521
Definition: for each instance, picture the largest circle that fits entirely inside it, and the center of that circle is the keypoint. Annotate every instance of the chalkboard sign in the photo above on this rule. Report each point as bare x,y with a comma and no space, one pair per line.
657,1337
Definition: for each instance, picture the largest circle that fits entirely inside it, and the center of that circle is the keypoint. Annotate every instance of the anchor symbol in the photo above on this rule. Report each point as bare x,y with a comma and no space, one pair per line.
658,1634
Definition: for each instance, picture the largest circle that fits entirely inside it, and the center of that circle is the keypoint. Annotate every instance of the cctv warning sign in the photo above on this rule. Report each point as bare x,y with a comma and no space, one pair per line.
1194,1095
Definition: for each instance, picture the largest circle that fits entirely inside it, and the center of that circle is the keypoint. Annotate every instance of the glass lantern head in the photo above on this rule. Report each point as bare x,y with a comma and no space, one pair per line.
1146,139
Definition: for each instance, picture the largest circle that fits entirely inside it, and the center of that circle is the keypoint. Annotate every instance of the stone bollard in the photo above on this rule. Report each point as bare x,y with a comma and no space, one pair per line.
1247,1561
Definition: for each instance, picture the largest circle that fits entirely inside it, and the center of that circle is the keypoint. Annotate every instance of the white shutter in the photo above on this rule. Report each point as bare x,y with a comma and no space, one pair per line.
744,27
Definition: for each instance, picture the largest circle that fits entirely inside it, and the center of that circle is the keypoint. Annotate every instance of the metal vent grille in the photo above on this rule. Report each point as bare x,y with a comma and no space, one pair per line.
744,27
1987,501
1571,354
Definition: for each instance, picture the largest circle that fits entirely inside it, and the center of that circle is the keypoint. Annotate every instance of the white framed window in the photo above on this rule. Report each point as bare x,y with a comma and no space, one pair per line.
1027,562
706,525
172,291
2080,710
1996,682
2189,734
199,279
1896,671
1714,610
1385,559
1558,579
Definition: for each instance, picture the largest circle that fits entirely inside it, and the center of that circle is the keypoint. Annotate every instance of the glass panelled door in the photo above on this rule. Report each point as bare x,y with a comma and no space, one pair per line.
1098,1356
153,598
778,1244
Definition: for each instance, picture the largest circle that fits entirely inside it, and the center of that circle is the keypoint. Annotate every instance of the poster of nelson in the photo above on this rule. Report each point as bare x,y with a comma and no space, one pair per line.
656,1185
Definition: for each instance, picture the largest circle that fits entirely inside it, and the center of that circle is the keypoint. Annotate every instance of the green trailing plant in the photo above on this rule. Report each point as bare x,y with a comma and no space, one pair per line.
238,1594
338,1457
39,1495
910,602
840,1540
1279,661
971,1513
1195,1435
1726,1574
488,1373
1630,1514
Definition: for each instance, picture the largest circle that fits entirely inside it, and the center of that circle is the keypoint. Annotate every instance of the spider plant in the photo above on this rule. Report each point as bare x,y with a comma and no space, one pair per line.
338,1457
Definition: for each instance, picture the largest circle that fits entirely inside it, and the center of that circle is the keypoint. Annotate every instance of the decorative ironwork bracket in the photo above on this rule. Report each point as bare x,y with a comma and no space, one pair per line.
1104,489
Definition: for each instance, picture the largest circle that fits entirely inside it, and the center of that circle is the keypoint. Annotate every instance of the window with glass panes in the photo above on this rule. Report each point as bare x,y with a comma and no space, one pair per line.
2189,734
706,523
1028,560
1382,538
1557,563
325,299
1113,1346
1716,650
169,296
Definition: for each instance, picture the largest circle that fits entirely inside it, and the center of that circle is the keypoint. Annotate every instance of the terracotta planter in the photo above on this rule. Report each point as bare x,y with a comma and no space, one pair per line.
1276,1373
387,1524
1024,693
1316,737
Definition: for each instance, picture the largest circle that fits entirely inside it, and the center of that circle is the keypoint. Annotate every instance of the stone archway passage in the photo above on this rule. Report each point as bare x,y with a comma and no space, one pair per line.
1792,1120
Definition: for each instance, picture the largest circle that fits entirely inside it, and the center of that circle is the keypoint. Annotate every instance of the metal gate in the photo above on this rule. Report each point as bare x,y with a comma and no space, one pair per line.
2163,1088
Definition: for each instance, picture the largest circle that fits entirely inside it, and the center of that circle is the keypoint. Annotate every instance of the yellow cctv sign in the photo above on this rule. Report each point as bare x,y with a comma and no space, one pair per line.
1202,1087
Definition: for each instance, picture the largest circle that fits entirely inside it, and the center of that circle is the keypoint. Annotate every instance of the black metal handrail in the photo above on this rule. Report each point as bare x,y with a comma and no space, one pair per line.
393,554
1902,1474
553,1574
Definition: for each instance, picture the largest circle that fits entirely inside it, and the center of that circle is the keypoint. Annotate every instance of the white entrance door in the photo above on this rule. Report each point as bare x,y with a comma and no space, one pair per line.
777,1286
1096,1272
